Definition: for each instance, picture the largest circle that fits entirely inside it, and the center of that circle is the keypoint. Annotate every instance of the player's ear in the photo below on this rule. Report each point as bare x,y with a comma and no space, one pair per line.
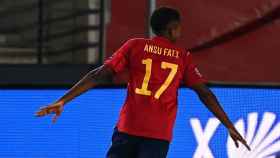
172,33
169,32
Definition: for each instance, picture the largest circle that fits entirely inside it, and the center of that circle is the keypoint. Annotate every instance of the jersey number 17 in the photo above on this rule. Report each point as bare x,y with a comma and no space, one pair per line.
164,65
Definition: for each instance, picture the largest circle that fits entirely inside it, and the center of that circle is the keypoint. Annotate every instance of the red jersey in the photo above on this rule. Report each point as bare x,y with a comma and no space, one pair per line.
156,68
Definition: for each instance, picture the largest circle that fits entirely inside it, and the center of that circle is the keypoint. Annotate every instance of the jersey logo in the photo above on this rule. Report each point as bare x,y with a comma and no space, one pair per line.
197,72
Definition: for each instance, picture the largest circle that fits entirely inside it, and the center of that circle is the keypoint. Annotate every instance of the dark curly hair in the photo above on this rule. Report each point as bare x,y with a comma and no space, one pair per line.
161,17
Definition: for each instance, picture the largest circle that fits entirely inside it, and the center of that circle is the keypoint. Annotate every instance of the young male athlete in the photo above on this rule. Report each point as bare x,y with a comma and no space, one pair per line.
156,68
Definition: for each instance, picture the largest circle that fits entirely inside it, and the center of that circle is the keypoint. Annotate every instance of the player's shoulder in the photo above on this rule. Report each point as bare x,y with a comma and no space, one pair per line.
135,40
185,52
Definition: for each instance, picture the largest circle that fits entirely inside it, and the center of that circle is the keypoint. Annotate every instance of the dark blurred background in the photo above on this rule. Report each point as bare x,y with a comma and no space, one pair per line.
50,42
55,42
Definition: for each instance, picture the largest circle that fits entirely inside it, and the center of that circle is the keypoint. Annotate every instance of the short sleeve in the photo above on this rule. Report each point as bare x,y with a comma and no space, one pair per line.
192,75
119,60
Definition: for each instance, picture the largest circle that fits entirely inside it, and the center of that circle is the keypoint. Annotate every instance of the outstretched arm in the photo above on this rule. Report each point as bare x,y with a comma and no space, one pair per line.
211,102
117,63
93,78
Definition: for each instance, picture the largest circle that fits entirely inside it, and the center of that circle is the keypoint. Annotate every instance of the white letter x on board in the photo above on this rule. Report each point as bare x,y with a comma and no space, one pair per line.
203,137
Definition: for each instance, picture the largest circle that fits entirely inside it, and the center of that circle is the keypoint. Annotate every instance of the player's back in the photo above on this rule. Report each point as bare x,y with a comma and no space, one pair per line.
156,68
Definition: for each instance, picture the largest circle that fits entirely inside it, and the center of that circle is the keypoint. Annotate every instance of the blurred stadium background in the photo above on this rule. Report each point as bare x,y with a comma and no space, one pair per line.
48,45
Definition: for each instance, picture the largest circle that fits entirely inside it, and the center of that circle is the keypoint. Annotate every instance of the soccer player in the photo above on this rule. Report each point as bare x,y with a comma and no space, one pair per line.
156,68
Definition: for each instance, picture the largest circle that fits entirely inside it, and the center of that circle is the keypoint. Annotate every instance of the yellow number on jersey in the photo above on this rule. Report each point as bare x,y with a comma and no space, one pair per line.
174,68
144,89
164,65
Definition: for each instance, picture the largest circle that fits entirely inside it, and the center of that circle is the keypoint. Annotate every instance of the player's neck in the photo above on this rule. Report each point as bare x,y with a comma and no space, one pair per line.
168,37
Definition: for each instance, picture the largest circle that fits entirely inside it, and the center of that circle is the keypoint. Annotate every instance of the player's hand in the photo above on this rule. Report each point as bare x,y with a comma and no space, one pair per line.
55,108
235,135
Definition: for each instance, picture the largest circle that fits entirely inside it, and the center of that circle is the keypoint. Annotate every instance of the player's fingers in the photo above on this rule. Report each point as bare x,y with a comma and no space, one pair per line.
243,141
236,143
57,114
235,139
45,111
245,144
41,113
45,108
54,119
